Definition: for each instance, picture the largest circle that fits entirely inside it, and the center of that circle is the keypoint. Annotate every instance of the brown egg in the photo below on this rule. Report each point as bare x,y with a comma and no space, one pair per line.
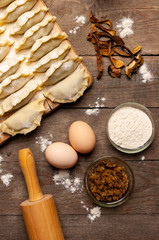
82,137
61,155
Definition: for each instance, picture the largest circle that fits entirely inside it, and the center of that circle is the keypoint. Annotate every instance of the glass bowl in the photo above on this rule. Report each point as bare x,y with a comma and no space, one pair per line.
147,112
124,197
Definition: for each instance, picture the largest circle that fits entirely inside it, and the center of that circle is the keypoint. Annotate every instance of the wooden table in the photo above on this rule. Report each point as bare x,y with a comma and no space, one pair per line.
138,218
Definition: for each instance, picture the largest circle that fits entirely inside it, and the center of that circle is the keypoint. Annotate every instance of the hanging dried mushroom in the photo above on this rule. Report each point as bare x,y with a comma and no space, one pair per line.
111,46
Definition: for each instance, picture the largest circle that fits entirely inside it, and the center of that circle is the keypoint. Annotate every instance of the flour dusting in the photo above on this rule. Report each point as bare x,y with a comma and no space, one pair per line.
92,112
84,206
62,177
43,142
93,213
95,109
146,75
80,20
124,27
6,179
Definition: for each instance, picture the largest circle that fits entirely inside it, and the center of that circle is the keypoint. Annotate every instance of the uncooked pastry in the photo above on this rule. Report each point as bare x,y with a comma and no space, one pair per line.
13,83
57,54
44,45
28,19
36,32
61,69
9,67
26,119
15,9
70,88
35,59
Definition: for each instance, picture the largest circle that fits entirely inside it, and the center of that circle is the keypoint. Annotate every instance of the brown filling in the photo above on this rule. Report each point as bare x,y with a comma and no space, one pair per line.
108,181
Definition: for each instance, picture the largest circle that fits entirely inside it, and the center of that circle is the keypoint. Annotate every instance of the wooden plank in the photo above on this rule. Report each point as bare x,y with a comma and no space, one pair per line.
144,14
117,91
58,126
144,199
138,217
120,90
124,5
132,227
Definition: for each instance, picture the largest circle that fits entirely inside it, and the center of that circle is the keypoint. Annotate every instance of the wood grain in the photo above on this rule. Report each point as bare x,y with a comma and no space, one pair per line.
136,219
145,18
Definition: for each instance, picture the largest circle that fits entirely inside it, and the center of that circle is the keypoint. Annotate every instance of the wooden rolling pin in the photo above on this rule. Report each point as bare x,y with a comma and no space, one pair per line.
39,212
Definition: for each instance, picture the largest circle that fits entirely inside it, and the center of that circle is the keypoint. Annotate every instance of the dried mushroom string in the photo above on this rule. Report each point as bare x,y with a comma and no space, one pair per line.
112,46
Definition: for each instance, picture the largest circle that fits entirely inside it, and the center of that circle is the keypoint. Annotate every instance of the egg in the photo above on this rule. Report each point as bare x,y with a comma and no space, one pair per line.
61,155
82,137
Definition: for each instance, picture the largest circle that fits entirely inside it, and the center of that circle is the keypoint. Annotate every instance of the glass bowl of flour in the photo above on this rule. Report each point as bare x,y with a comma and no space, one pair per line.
130,127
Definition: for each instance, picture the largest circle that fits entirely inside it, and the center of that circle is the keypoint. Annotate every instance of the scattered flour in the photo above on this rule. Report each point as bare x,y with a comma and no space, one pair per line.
124,27
71,184
84,206
80,20
93,213
43,142
143,158
6,179
145,73
95,108
92,112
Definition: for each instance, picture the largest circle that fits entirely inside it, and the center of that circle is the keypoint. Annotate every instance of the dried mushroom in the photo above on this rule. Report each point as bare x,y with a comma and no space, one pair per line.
121,52
136,50
93,19
114,72
134,65
108,44
116,62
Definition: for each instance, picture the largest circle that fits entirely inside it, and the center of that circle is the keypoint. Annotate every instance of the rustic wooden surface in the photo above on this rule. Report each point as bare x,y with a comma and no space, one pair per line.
136,219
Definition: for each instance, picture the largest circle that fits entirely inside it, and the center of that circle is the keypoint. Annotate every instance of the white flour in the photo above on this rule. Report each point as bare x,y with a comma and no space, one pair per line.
84,206
6,179
71,184
129,128
98,103
92,112
124,27
146,75
93,213
80,20
43,142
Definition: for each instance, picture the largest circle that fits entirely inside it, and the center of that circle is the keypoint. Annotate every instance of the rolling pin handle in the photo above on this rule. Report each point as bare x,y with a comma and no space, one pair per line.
27,164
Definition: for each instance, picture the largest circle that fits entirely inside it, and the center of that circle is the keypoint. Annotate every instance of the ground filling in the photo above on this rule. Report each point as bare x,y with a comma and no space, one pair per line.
108,181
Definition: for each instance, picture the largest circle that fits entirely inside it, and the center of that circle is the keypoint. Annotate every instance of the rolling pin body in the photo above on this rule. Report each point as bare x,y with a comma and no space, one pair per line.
39,212
41,219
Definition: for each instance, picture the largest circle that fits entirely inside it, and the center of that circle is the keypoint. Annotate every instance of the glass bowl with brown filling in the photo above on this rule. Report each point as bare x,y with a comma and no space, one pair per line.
109,181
